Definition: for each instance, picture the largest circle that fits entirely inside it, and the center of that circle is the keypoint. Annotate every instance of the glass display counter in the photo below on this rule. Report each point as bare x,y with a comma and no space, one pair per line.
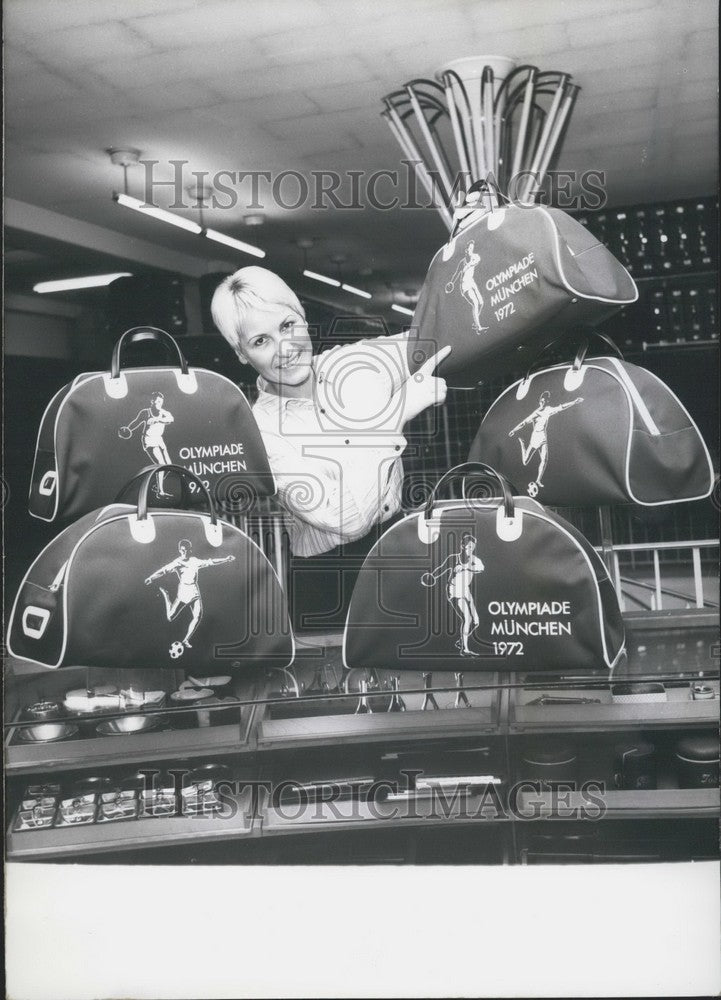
294,766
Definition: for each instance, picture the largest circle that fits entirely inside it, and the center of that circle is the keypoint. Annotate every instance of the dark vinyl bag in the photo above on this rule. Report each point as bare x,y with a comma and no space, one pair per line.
133,587
483,583
595,431
502,281
101,428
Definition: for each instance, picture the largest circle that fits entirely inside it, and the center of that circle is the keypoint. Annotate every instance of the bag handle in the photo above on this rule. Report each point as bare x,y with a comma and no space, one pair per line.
139,475
506,488
580,354
149,475
146,333
485,186
583,349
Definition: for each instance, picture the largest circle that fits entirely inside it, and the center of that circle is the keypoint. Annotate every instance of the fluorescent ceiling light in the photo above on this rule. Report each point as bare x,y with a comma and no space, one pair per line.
158,213
228,241
402,309
70,284
356,291
322,277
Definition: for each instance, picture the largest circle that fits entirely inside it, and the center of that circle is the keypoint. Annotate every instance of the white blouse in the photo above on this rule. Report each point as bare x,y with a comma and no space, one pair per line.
336,457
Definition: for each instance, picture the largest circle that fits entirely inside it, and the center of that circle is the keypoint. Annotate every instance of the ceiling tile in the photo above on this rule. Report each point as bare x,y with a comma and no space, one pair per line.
594,30
492,13
287,79
39,17
88,44
227,19
362,94
38,87
263,109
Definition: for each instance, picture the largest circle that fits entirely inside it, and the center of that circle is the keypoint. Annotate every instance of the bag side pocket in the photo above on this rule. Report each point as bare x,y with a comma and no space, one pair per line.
44,486
36,629
668,468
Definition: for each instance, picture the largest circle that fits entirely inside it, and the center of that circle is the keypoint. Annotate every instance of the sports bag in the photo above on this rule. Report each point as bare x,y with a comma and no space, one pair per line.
503,279
483,584
126,586
595,431
99,430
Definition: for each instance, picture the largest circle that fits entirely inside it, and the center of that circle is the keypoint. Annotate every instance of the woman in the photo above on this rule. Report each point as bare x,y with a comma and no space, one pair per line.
461,566
332,426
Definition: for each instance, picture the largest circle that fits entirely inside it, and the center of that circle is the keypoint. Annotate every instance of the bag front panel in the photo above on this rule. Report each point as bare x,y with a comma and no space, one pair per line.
175,601
562,446
487,289
472,601
103,442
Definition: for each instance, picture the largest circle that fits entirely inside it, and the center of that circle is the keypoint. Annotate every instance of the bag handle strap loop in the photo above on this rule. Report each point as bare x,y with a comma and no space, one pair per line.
468,468
148,475
136,333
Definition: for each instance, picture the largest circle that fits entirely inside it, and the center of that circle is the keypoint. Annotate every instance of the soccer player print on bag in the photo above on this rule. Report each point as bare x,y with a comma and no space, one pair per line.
469,289
461,566
186,567
538,441
153,420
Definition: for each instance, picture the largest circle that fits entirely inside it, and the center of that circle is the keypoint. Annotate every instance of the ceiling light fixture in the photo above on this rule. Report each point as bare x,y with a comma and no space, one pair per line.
321,277
402,309
228,241
200,192
72,284
157,213
356,291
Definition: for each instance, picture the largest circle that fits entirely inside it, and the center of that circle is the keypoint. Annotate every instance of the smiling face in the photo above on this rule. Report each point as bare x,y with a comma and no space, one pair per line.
275,341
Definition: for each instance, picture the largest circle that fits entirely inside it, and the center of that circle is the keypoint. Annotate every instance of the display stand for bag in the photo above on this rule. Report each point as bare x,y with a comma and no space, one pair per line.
605,524
482,117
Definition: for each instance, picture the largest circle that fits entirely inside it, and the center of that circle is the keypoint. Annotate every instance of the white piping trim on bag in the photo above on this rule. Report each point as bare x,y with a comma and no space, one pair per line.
641,408
68,566
541,515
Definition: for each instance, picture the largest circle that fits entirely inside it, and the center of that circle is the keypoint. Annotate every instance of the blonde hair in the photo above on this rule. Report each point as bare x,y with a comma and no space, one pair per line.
248,289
